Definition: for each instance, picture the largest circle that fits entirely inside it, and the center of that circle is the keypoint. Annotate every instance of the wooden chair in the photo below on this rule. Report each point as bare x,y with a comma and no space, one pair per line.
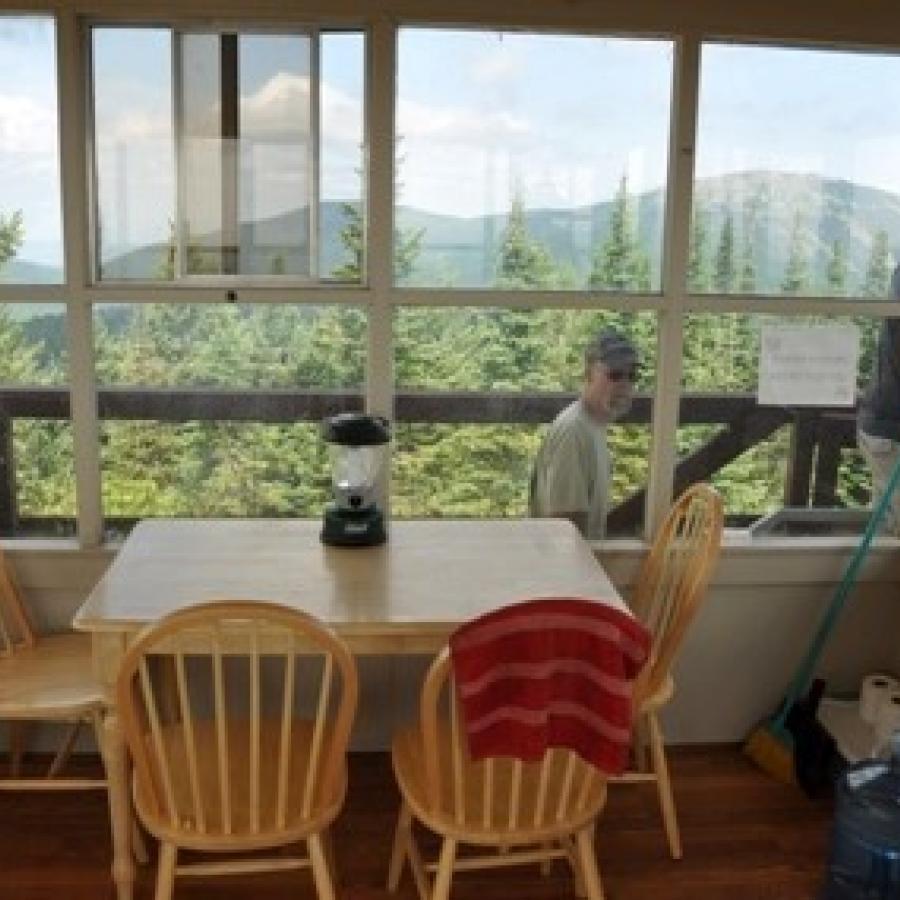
43,678
670,588
230,764
521,812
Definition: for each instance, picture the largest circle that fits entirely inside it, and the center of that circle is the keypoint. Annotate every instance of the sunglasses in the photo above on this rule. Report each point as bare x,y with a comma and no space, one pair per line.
621,374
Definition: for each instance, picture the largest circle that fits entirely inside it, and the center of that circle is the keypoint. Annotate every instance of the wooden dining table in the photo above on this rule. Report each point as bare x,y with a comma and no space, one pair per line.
403,597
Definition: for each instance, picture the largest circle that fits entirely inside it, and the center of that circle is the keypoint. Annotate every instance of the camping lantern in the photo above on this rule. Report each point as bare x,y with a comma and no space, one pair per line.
357,442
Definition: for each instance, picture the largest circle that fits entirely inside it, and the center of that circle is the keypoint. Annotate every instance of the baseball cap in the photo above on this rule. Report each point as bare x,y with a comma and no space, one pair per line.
613,349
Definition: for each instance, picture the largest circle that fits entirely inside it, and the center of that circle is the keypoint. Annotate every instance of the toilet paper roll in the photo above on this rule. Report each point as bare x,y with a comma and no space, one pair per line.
875,688
888,720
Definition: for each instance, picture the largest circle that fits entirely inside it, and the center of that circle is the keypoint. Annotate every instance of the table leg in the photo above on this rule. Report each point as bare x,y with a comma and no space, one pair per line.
116,759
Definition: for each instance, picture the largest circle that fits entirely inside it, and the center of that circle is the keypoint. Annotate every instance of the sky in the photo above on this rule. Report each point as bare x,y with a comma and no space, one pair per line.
481,116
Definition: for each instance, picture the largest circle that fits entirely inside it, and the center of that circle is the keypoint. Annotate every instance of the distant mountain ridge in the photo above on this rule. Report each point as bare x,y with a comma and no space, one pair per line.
462,252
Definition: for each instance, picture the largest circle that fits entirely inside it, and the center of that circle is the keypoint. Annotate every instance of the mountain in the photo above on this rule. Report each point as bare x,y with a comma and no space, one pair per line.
20,271
462,252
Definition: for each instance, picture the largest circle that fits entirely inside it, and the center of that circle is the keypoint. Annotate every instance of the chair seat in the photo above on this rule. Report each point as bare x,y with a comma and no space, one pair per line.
53,680
408,759
188,832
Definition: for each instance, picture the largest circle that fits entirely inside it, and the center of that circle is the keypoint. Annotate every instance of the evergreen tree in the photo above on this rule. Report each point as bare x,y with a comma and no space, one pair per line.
746,277
11,236
522,262
878,269
407,241
725,268
796,272
836,272
407,247
620,264
698,275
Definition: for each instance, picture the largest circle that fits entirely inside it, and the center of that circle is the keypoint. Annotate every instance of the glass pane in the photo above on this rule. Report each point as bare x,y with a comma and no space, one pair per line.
234,442
30,204
37,481
530,161
783,468
796,188
134,152
341,162
201,158
476,389
276,154
245,153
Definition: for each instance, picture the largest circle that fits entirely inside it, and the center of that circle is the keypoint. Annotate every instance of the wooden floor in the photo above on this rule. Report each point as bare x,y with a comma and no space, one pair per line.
745,838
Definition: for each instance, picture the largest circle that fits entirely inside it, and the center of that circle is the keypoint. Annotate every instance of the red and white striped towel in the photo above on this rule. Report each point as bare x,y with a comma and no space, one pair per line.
550,672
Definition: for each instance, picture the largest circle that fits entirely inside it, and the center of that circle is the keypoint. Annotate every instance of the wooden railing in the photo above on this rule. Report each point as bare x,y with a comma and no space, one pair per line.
818,434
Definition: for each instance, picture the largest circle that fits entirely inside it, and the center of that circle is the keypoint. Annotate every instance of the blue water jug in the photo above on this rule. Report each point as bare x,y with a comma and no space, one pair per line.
865,847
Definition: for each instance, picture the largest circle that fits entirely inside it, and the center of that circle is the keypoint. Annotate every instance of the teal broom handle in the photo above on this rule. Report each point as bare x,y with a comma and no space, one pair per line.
805,671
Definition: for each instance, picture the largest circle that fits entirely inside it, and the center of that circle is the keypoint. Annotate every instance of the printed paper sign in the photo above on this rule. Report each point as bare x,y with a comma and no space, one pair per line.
808,365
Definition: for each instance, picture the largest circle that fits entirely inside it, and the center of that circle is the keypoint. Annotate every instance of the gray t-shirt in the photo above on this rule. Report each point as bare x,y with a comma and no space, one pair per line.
572,470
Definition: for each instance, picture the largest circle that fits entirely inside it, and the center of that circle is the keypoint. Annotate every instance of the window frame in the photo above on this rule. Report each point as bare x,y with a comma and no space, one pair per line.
377,293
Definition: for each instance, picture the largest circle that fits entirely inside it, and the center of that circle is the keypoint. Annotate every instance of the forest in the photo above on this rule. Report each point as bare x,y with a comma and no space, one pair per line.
254,469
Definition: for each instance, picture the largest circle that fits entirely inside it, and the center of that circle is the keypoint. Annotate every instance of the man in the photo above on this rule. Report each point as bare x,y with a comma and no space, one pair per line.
879,413
571,472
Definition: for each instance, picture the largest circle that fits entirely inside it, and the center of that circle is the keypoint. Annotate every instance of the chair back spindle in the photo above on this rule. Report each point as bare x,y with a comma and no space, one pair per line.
228,753
505,796
16,629
674,576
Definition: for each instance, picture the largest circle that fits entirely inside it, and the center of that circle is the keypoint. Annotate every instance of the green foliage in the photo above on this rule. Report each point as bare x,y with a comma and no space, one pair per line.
12,233
522,262
723,280
698,271
407,247
836,273
232,468
878,270
621,263
796,272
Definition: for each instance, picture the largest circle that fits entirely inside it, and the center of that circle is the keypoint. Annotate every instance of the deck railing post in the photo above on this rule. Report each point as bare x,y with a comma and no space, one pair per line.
798,479
8,513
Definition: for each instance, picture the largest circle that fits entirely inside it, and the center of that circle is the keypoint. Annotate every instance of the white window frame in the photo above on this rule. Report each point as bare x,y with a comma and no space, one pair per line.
377,293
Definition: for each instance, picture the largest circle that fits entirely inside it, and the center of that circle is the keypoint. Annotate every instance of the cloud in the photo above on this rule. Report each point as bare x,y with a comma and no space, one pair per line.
272,112
498,65
26,127
460,125
272,109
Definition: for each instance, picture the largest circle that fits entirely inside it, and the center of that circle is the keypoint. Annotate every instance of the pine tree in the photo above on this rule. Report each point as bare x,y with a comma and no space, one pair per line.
746,278
522,262
620,264
407,247
698,276
878,270
836,273
11,236
796,272
724,275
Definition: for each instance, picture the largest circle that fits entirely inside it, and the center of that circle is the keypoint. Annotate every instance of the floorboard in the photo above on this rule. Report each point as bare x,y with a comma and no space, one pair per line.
745,837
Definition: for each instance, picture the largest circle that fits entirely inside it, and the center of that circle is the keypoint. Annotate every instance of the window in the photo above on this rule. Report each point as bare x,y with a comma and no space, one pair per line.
37,482
797,186
528,161
213,410
30,203
476,389
213,150
764,459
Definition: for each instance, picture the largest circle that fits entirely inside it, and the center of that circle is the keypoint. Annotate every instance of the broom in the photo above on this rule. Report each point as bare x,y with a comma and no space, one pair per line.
771,745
